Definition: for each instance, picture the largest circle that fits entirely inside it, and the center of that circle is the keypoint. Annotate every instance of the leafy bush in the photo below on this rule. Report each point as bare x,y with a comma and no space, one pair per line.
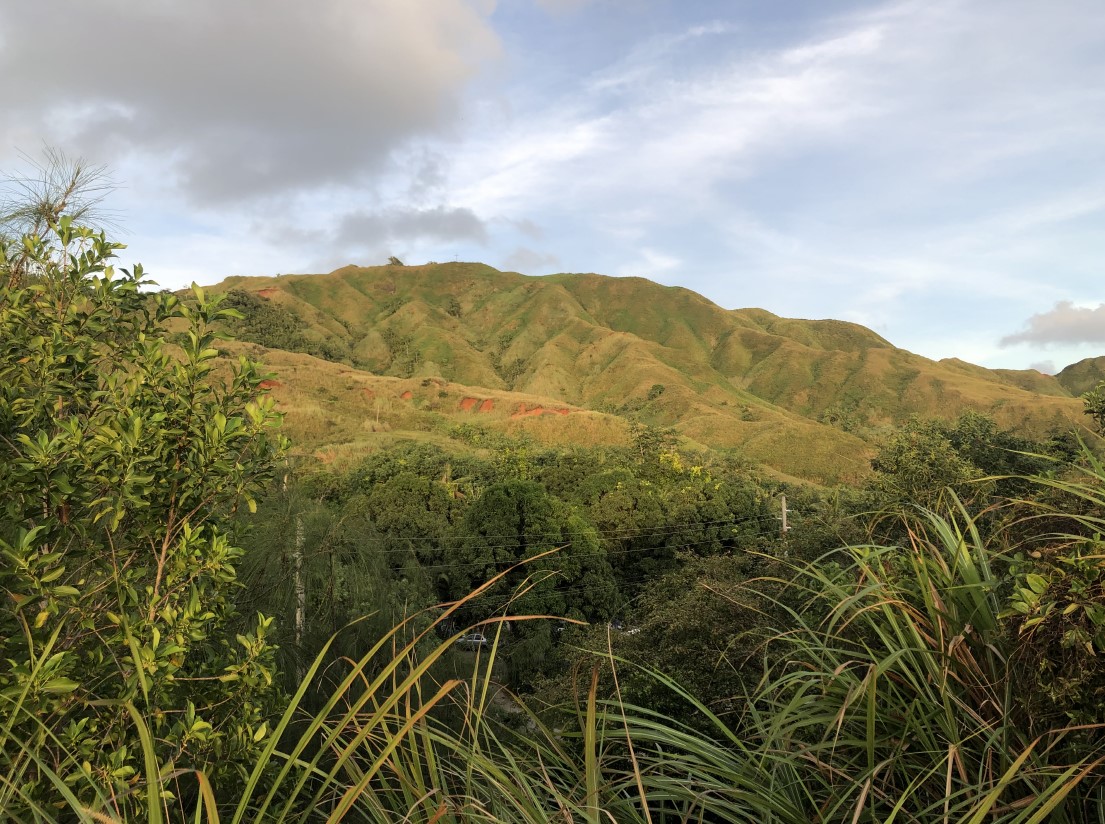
120,462
1095,405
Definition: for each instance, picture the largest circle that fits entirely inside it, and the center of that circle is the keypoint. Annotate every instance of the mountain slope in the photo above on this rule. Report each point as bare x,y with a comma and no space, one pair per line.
802,396
1081,377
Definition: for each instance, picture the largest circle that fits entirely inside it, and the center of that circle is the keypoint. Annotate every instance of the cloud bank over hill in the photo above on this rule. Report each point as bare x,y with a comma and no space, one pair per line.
1065,324
371,229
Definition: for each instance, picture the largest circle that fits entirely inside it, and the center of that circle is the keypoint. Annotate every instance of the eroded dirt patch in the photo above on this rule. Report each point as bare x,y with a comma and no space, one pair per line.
524,412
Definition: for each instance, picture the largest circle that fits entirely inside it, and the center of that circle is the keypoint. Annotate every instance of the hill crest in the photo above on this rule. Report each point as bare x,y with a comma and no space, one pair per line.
807,397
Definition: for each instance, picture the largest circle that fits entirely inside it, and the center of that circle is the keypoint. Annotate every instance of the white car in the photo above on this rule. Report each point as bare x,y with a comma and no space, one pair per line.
473,640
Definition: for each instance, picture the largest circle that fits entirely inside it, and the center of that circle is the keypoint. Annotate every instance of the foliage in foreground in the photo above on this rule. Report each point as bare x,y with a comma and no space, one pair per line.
900,691
121,460
954,676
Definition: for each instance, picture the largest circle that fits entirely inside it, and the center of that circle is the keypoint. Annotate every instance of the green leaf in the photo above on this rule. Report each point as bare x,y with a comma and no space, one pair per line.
1037,583
60,686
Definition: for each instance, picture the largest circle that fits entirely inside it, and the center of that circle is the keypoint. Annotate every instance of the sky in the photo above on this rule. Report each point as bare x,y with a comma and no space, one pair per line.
931,169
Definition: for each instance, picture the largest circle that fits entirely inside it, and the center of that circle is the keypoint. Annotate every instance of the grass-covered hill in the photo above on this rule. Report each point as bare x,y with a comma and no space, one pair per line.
806,397
1081,377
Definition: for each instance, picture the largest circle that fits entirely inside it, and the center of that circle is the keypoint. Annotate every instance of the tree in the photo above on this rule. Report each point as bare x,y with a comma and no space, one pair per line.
266,323
518,521
57,186
1095,406
122,459
309,557
412,515
919,462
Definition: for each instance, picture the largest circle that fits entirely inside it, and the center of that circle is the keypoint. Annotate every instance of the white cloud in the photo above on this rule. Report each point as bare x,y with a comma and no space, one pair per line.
530,262
371,229
858,43
1064,324
245,98
651,263
643,126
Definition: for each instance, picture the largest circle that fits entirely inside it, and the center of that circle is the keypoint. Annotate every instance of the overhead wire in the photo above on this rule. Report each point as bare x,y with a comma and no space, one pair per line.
609,534
561,536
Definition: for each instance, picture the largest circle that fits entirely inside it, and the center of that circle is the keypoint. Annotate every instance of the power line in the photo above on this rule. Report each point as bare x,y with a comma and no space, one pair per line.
602,553
503,602
609,534
492,564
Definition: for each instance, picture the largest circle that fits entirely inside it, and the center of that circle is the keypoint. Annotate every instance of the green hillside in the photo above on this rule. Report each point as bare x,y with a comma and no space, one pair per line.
806,397
1081,377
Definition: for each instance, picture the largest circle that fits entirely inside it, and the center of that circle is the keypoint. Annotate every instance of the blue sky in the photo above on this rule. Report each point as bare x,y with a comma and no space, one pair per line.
933,170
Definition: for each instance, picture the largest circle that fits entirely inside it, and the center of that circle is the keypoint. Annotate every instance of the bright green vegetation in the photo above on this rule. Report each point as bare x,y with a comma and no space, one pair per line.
1079,378
121,465
808,398
458,619
1095,405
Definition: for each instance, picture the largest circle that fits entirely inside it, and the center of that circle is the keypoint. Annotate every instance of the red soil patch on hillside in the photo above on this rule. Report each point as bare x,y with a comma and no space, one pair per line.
267,293
269,384
407,395
523,412
476,405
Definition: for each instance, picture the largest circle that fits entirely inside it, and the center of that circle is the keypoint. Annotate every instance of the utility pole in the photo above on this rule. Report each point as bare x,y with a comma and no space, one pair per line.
300,587
783,517
300,594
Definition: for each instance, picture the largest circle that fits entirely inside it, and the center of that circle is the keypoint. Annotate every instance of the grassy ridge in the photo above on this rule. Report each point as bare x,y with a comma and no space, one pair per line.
339,414
806,397
1081,377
